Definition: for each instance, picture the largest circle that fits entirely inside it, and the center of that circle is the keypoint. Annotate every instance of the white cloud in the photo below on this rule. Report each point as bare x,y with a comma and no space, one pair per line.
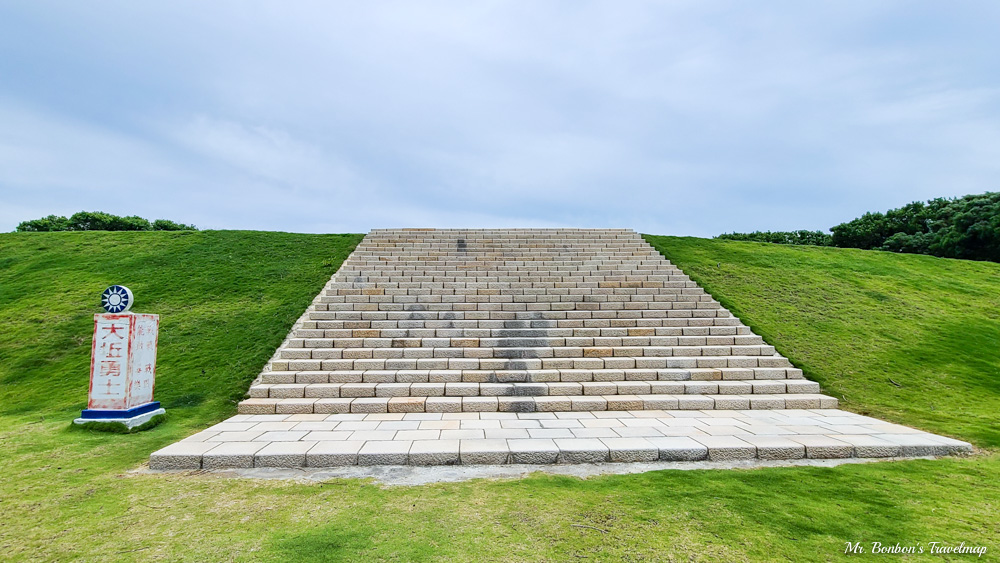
271,155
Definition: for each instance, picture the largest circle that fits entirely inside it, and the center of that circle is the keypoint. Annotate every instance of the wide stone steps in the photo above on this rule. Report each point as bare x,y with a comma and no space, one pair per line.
526,320
547,403
354,390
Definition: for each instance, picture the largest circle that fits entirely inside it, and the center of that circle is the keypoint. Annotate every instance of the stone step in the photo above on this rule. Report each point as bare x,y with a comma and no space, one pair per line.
476,270
459,331
474,240
460,297
412,299
502,244
552,309
776,368
599,347
515,311
505,238
680,284
535,404
459,280
563,294
671,283
488,263
413,306
517,277
485,267
492,260
570,345
523,310
494,363
597,323
585,252
639,298
353,390
400,350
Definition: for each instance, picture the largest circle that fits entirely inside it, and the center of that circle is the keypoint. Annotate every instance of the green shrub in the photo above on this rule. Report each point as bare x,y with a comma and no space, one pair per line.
45,224
100,221
167,225
814,238
966,227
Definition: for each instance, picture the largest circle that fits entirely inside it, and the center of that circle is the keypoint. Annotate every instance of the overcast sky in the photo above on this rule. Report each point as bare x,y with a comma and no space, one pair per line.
687,118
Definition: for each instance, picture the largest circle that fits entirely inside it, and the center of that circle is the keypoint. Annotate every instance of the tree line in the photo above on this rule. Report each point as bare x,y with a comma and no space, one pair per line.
100,221
966,227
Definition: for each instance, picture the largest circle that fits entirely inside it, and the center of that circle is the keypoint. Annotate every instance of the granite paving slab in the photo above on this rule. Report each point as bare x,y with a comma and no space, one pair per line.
246,441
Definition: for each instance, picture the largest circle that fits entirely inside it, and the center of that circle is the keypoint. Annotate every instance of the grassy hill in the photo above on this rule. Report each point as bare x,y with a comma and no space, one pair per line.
912,339
225,298
851,319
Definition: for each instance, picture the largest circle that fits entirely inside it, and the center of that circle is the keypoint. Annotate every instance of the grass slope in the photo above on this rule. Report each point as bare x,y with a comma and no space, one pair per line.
860,322
225,300
228,298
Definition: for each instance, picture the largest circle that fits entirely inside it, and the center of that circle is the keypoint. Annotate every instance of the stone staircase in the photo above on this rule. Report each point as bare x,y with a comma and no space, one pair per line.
520,321
439,347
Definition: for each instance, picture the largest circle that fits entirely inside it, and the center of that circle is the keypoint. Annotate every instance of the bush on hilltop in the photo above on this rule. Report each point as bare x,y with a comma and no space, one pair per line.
967,227
100,221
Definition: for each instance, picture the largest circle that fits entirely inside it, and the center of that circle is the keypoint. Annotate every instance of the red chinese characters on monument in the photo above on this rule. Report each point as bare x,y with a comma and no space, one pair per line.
123,360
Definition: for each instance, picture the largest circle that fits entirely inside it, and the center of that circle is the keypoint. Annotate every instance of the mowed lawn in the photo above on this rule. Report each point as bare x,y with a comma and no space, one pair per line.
852,320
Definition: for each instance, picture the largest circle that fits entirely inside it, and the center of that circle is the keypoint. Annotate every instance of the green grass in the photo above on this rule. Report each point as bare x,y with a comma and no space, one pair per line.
856,321
227,299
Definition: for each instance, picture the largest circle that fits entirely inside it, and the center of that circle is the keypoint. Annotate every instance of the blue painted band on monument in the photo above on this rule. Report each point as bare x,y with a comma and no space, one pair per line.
99,414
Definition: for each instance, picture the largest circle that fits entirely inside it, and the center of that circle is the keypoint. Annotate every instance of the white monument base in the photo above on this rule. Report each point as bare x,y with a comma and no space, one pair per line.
139,419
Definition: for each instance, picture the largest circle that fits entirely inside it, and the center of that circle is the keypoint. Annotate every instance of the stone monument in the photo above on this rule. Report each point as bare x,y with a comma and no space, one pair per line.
122,363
